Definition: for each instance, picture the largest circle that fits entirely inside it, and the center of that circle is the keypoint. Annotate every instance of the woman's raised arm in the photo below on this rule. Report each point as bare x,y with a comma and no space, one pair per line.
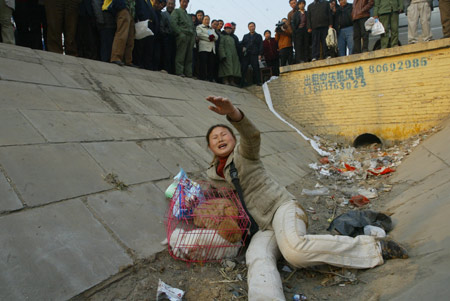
223,106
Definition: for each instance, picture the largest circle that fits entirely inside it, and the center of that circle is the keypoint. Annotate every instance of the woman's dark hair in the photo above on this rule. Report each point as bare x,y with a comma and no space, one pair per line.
267,31
297,6
218,126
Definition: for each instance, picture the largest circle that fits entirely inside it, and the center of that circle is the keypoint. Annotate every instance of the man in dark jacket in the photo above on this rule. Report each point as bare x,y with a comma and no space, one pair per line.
360,14
144,49
236,40
345,27
158,6
252,50
106,25
300,33
215,26
28,24
271,57
169,46
319,19
333,51
87,36
294,5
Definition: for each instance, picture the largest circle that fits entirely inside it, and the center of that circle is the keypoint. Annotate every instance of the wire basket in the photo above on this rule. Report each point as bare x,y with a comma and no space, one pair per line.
212,228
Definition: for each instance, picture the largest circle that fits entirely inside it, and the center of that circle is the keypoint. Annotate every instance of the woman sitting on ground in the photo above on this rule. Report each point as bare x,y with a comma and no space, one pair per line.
282,221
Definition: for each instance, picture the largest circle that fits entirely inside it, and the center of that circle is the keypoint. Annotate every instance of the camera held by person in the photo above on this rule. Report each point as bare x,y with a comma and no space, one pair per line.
280,26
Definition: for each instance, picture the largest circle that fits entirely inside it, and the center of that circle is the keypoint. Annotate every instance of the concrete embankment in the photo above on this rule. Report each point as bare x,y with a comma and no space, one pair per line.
66,123
421,209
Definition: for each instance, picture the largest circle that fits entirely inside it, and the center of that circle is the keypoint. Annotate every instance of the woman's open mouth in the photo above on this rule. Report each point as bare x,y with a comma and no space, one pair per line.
222,146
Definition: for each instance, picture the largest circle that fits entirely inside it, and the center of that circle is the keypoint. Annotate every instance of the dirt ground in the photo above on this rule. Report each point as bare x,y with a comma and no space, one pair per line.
227,280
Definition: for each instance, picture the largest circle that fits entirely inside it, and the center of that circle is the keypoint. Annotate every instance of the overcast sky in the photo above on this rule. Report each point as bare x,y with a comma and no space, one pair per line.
265,13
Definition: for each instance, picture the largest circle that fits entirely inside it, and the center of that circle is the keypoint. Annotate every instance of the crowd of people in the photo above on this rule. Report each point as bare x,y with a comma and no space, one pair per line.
197,45
305,29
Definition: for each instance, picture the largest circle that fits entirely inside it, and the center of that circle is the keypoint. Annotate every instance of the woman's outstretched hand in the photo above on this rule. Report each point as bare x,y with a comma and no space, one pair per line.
223,106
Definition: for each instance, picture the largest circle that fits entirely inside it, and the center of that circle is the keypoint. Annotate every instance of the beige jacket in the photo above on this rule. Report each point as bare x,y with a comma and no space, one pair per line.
204,44
262,195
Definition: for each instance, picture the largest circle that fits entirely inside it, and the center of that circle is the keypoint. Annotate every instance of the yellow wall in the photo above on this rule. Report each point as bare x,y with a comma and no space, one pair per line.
393,93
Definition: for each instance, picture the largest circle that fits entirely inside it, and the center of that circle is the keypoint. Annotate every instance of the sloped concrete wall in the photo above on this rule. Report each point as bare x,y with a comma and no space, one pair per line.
420,209
68,122
393,93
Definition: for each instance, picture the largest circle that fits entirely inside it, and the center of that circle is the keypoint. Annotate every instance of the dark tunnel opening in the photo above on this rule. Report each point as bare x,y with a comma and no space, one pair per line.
366,139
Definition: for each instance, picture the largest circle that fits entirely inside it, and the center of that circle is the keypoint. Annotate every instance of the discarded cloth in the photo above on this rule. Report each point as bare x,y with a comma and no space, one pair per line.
352,223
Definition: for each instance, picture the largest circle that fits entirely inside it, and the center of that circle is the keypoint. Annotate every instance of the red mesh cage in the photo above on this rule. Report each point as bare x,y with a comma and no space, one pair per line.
213,228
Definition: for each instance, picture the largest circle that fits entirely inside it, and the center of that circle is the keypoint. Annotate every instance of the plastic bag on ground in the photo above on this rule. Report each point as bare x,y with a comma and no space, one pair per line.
165,292
142,30
374,231
383,170
377,28
370,193
352,223
320,191
359,200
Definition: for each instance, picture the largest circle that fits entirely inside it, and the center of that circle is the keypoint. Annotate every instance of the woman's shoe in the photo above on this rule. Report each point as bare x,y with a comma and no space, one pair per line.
392,250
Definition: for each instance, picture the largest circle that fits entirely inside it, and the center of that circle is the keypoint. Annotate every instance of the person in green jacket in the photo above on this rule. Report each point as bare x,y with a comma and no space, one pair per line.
229,66
183,28
387,12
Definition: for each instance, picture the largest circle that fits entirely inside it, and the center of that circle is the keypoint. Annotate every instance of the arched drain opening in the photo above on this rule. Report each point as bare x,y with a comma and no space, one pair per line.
366,139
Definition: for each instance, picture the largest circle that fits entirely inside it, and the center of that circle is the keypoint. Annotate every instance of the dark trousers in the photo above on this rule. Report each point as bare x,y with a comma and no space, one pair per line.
301,45
286,56
87,38
27,16
106,41
156,58
318,37
195,67
206,62
62,17
275,66
143,53
251,59
216,68
168,52
44,25
360,33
